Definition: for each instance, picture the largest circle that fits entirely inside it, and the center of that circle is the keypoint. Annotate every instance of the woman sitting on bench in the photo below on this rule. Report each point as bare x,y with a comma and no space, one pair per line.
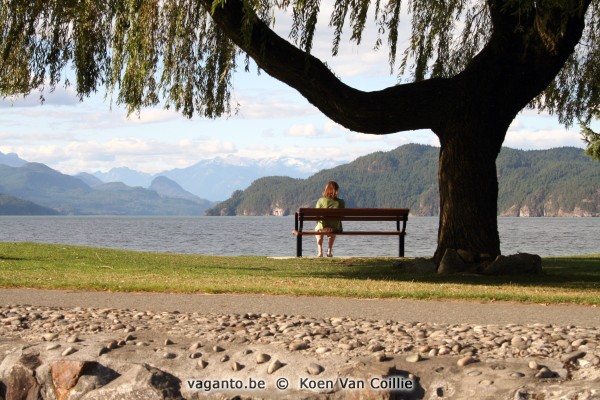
329,200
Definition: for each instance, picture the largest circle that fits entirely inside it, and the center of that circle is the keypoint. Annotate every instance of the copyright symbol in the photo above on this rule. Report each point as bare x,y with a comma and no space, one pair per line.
282,383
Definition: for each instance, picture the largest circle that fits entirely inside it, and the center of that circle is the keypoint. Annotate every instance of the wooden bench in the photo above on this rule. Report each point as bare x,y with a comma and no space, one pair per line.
399,215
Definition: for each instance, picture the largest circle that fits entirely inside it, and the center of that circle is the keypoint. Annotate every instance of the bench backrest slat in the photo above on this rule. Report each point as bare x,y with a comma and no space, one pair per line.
354,214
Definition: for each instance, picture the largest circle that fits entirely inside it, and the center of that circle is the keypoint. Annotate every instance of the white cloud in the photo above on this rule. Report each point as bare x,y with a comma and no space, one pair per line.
421,136
329,130
311,152
24,137
354,62
273,105
542,139
59,97
257,109
537,131
144,155
331,126
393,140
48,153
364,137
515,125
152,115
306,130
536,113
92,114
68,118
210,147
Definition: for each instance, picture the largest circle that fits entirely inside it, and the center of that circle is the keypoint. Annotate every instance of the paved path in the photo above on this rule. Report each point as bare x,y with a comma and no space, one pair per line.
443,312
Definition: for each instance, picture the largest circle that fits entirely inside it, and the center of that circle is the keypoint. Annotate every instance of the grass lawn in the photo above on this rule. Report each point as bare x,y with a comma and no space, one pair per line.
565,280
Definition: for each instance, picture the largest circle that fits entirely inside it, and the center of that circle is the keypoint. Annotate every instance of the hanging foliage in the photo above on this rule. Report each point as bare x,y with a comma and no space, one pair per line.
145,51
591,140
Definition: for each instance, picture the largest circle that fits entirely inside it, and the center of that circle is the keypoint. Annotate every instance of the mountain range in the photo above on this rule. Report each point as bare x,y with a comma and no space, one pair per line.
36,189
218,178
39,189
555,182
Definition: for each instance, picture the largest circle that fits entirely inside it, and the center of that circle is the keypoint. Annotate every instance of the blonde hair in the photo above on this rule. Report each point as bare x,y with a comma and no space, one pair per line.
331,190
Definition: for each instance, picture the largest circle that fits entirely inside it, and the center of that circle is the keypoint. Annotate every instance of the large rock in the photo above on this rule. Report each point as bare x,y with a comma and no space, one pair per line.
65,374
141,381
515,264
95,376
468,256
21,383
451,263
70,379
73,379
379,372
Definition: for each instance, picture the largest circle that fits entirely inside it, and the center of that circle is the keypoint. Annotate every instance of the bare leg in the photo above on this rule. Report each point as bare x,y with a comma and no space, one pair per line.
330,241
319,245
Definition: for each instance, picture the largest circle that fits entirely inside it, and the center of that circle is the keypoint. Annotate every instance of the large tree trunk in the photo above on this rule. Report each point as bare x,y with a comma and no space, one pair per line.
468,187
481,103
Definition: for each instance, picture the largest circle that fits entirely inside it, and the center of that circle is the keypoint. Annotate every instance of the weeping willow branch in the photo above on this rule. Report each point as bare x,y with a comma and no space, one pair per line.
144,52
592,142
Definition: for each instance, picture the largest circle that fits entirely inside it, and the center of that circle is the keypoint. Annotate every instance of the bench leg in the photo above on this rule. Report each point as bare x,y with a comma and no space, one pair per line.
401,249
299,246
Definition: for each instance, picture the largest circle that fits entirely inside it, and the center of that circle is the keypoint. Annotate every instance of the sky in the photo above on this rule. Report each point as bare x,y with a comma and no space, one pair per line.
272,121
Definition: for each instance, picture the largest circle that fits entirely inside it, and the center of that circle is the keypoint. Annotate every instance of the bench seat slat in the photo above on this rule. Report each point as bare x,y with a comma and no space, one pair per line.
372,233
352,218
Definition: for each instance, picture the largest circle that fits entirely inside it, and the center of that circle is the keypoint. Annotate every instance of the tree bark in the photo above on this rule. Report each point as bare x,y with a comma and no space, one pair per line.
468,188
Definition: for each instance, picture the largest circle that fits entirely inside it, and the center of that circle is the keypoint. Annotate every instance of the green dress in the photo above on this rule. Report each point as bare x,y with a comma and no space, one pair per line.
327,202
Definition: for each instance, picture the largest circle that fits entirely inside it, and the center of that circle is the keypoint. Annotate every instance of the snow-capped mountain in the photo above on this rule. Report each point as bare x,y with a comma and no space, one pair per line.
128,176
216,179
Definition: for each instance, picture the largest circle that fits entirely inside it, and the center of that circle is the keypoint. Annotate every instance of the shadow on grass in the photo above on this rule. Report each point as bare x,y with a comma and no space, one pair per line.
12,258
579,273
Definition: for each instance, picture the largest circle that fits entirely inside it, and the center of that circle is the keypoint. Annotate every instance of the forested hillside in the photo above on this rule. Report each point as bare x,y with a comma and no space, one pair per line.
556,182
10,205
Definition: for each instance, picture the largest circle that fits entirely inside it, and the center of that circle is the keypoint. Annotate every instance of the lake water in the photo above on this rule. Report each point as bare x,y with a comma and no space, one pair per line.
271,236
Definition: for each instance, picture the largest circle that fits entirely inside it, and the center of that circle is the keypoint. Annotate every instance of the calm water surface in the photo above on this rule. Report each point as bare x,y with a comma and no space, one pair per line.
272,236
